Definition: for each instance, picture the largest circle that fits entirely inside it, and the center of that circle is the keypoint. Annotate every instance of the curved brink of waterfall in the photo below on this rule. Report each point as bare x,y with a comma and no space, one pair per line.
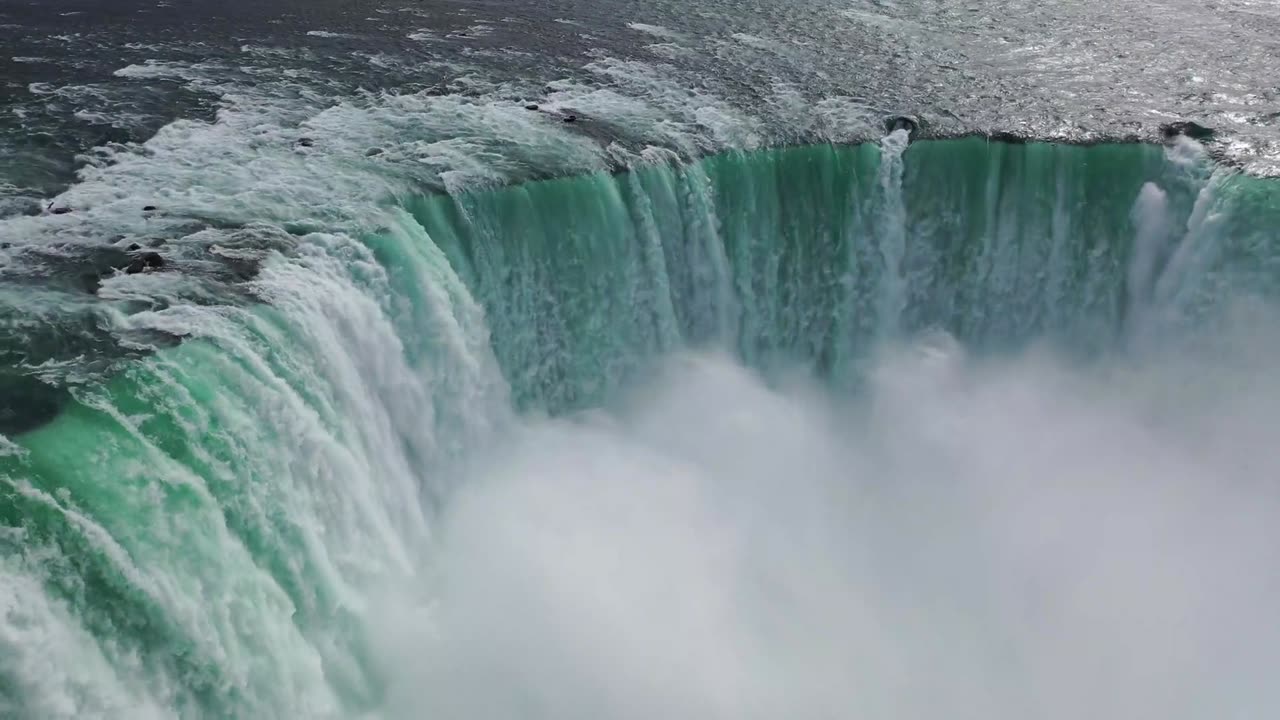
221,526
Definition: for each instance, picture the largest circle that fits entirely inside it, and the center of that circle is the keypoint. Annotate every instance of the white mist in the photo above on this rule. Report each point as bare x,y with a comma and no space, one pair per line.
970,539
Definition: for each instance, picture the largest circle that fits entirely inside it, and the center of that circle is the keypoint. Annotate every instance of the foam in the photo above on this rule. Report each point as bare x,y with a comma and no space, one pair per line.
58,669
655,30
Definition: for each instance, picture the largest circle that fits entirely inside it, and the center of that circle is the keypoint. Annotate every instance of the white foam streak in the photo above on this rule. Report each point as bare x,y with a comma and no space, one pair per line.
893,231
1194,252
58,670
1150,217
654,30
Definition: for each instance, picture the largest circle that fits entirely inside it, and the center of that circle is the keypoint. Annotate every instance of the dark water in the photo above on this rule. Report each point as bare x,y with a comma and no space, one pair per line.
1035,70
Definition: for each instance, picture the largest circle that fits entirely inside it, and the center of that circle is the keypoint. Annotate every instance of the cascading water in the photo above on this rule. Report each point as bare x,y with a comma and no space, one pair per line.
822,252
824,431
892,236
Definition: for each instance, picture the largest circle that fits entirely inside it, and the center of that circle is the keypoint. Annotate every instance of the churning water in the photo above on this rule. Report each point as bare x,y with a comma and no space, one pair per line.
420,403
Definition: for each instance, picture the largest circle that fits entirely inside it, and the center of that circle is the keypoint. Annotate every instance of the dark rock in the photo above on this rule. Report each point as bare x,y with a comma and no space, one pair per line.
114,135
531,106
146,261
570,118
1193,130
372,151
149,208
1008,138
134,247
306,142
60,210
902,122
5,245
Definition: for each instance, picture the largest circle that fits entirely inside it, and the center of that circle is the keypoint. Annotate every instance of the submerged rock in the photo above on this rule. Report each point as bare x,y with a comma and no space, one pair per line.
27,403
306,142
91,283
146,261
1190,129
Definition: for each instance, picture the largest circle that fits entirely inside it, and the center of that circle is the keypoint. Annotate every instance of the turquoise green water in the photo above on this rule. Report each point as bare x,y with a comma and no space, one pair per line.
780,255
212,532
